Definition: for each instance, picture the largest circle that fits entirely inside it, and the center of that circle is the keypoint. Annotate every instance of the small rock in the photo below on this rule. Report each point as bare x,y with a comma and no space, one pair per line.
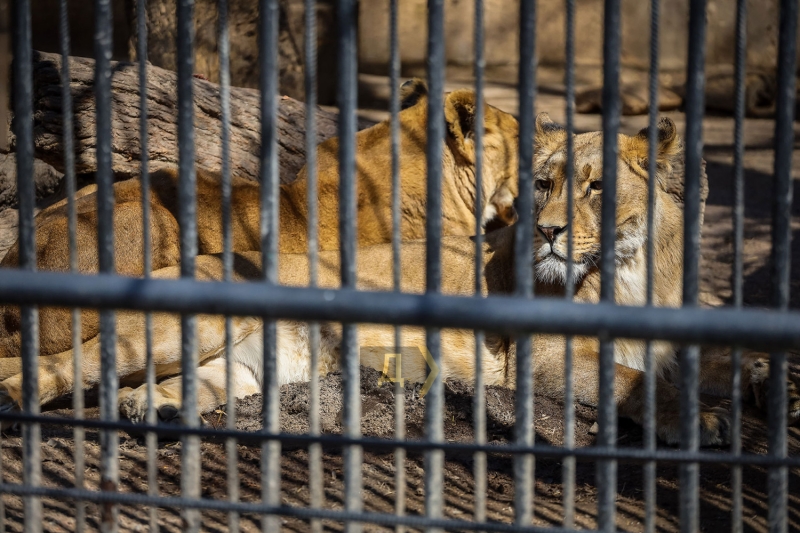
595,429
46,179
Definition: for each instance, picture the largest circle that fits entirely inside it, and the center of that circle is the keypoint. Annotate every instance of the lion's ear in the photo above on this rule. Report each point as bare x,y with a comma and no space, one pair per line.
459,113
411,92
668,143
549,135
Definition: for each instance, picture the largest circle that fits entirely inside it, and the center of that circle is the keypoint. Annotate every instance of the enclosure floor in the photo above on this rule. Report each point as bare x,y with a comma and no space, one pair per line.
378,471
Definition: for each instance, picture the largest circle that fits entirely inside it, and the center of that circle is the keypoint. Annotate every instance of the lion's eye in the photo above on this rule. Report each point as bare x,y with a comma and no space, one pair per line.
596,185
543,185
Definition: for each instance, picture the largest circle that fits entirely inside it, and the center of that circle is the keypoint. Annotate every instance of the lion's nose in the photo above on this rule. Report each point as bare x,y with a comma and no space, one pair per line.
551,232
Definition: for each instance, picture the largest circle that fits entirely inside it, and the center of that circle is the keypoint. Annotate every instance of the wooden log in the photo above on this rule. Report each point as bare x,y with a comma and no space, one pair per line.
162,112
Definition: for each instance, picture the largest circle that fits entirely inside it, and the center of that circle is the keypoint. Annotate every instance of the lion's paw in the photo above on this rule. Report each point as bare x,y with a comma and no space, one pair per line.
758,388
715,427
8,404
793,395
758,371
133,406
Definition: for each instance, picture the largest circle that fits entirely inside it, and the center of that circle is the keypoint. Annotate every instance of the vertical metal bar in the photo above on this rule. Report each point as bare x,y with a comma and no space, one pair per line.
650,371
150,371
5,78
109,382
434,401
607,409
479,399
781,258
690,356
568,466
270,450
738,257
523,266
187,185
399,389
23,113
231,450
69,178
347,239
315,471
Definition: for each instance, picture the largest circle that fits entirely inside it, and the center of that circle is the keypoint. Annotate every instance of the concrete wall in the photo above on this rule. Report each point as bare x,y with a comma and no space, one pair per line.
502,21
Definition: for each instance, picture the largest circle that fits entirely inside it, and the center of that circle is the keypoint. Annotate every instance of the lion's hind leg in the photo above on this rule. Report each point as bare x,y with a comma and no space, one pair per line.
549,376
716,377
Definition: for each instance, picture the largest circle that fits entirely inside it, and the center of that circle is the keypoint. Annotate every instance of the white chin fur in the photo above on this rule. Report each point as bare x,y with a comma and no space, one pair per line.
552,269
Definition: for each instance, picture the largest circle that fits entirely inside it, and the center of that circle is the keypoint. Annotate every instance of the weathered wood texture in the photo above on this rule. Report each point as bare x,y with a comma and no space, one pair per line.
163,113
243,23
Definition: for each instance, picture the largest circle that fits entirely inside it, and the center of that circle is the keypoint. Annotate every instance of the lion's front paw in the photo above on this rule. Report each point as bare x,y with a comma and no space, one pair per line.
757,381
8,404
133,405
758,388
793,395
715,427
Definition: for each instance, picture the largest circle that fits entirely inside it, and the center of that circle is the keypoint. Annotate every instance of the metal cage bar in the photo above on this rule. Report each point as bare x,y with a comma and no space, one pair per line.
70,181
270,450
109,440
650,373
689,357
231,450
23,121
315,468
607,409
351,377
778,477
150,371
5,66
434,401
479,403
737,278
187,215
753,328
590,453
399,385
523,266
568,468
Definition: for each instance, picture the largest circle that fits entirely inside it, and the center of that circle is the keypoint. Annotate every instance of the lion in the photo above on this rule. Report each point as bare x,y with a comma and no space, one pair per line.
374,222
498,352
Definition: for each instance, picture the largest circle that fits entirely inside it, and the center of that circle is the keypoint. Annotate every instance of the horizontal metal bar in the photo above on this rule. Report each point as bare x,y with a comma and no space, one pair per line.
589,453
753,328
282,510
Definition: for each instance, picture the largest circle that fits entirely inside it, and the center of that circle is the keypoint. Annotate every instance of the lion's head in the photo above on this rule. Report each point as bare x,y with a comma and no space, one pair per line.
500,146
550,185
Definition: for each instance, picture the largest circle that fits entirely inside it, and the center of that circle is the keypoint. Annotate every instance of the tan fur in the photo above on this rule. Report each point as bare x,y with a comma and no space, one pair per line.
373,167
498,352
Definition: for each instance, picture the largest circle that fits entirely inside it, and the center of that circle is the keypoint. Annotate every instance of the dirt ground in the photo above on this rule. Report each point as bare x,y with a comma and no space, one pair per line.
377,402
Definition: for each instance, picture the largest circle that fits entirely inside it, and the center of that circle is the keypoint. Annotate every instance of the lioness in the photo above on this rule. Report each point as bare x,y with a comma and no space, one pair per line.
374,223
55,371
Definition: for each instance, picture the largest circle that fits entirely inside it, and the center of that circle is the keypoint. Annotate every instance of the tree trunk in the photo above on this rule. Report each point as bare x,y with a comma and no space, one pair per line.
162,110
243,21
